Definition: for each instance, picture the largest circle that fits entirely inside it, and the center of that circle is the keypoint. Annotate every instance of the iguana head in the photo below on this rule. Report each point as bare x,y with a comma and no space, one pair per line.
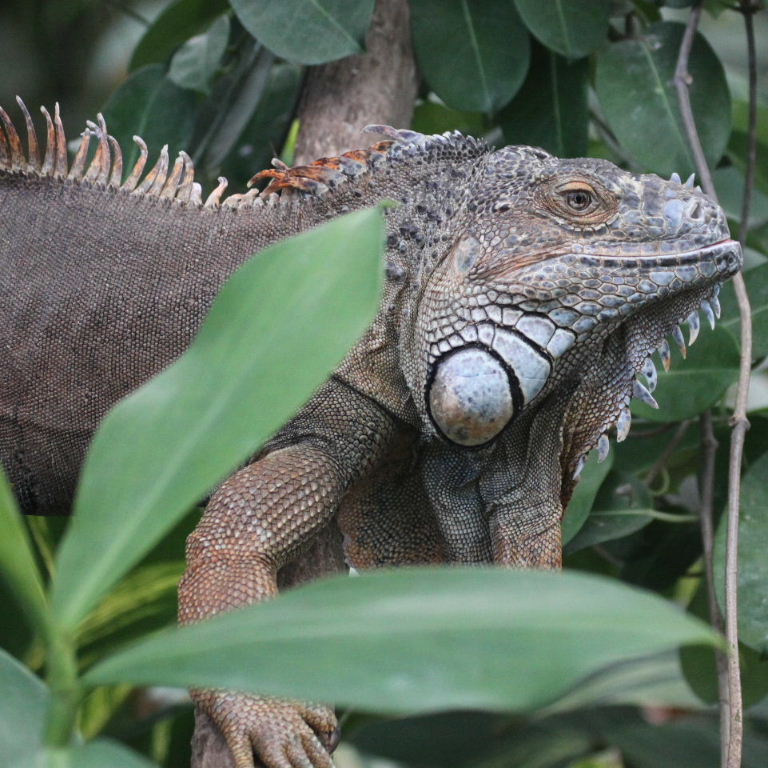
563,277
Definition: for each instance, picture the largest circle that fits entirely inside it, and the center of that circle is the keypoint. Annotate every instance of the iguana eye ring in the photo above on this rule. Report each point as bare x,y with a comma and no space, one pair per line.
578,199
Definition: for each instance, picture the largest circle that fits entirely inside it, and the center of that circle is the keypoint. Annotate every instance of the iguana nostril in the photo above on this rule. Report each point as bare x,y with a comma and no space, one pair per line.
694,212
470,398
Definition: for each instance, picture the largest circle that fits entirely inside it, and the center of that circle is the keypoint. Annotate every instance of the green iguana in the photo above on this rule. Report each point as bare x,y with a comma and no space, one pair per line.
525,295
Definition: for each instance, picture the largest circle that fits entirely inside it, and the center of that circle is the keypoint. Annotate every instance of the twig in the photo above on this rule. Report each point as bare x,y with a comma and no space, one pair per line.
732,728
709,447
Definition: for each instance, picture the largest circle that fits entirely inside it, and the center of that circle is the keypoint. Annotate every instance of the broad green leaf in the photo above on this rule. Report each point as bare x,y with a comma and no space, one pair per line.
571,29
473,55
105,752
416,640
195,63
635,88
433,117
150,106
179,21
697,382
757,287
307,31
17,562
23,708
753,563
550,110
579,507
262,350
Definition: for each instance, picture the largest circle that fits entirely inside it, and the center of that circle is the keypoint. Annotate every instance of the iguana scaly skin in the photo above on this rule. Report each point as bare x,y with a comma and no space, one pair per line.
525,294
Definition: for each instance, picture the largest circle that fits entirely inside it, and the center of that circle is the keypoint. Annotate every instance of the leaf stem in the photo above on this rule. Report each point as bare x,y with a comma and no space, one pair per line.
65,689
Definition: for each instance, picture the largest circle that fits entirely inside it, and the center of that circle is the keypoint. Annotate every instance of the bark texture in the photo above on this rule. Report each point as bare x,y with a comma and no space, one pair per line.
339,100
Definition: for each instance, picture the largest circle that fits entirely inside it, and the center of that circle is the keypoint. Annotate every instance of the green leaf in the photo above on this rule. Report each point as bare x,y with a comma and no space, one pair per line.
17,562
307,31
753,563
729,182
550,110
165,446
757,288
105,752
23,707
571,29
416,640
150,106
473,55
635,88
179,21
433,117
579,507
696,383
195,63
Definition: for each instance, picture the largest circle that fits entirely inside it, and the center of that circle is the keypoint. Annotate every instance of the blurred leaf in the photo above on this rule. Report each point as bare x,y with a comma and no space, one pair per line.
473,55
152,107
635,88
648,681
694,384
550,110
179,21
416,639
23,708
105,752
753,563
757,287
579,507
17,562
195,63
182,432
307,31
571,29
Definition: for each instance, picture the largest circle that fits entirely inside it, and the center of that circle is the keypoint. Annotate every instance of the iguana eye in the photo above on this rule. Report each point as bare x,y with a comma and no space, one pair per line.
578,196
579,200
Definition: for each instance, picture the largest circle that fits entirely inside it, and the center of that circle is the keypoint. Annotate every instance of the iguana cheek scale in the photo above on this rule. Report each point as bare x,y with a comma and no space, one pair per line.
525,296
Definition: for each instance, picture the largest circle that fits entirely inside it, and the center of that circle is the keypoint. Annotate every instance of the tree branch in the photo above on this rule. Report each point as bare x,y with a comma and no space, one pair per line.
732,728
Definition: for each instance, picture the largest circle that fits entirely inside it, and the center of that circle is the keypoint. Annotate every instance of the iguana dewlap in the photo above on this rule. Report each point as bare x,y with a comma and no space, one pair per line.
525,295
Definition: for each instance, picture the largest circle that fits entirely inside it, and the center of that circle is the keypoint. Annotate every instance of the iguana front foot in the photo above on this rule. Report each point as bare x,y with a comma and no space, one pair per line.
273,733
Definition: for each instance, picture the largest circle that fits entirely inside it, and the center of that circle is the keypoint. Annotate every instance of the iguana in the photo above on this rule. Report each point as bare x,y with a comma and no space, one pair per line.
524,297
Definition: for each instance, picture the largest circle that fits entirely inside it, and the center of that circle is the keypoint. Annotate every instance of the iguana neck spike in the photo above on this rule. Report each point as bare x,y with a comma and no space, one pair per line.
32,145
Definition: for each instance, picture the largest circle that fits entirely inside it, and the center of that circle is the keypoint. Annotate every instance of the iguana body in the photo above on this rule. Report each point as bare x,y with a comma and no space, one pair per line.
524,295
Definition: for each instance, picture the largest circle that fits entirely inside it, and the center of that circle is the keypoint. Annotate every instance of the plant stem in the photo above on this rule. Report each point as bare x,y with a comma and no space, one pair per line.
65,689
731,729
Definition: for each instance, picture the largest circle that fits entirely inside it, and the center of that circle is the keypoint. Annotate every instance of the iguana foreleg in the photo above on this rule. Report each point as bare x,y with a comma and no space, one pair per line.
254,524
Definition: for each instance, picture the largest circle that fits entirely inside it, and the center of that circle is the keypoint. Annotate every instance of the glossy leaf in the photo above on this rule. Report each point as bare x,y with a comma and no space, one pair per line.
697,382
23,707
17,562
152,107
180,434
571,29
580,505
416,640
473,55
195,63
307,31
550,110
178,21
635,88
753,563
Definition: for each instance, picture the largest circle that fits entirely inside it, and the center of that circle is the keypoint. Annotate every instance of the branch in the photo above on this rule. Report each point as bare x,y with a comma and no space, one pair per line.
732,728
